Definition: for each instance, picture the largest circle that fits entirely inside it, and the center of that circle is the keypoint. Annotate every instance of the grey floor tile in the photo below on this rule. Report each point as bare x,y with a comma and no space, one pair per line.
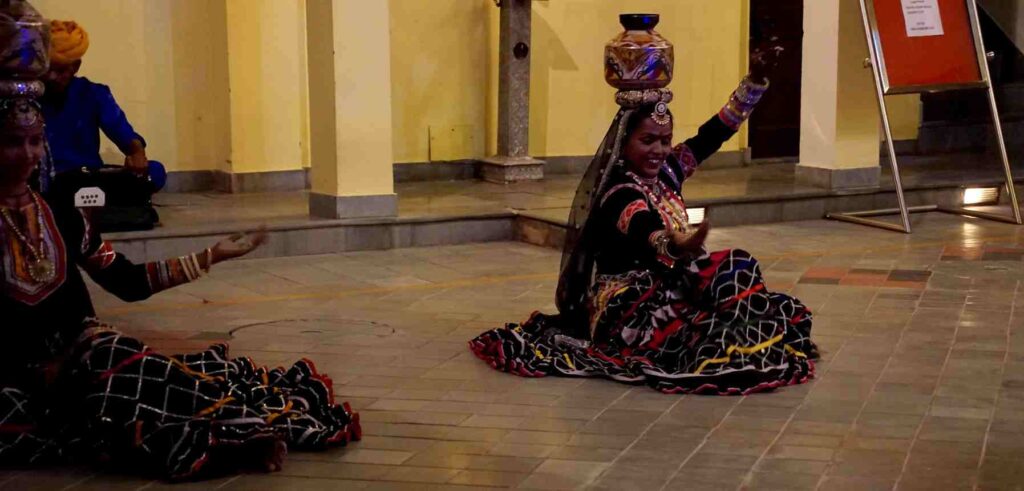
434,416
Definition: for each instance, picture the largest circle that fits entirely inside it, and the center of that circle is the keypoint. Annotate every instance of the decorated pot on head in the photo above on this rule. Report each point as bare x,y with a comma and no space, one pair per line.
639,58
24,49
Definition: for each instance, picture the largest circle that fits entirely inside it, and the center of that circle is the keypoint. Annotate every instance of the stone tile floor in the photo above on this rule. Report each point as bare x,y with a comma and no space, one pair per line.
921,385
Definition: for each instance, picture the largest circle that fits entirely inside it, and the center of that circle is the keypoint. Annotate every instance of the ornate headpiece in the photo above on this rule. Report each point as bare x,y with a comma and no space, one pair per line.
23,113
639,63
24,59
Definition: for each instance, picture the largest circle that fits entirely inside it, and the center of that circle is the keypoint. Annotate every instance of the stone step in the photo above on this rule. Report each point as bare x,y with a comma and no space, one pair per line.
325,237
548,232
453,214
962,121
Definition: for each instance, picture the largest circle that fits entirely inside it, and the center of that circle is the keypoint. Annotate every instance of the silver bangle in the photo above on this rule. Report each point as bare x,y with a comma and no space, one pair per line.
186,267
199,266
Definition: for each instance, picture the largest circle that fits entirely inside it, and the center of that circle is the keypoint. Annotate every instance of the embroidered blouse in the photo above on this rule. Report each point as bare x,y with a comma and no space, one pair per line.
635,215
41,320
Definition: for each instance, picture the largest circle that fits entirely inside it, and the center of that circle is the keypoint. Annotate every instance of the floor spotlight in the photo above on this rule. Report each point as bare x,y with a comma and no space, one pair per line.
981,196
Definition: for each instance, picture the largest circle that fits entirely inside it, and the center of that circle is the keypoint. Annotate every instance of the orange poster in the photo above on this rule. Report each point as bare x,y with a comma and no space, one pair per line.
926,44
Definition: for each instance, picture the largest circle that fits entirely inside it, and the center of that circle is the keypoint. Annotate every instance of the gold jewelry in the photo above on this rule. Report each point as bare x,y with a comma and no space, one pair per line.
661,116
662,242
41,269
23,113
671,206
632,99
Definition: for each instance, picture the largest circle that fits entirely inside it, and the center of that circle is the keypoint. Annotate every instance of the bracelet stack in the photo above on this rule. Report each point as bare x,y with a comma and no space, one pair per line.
190,265
662,242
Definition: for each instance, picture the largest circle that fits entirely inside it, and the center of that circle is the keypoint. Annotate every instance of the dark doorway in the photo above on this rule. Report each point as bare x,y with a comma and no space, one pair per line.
775,125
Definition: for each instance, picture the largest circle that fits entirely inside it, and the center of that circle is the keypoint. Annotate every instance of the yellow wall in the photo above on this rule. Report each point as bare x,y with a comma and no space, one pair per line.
443,79
304,118
493,41
166,61
439,57
904,116
572,106
265,66
200,98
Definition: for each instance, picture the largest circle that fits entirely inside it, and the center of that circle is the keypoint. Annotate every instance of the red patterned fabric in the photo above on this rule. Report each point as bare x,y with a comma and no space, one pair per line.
102,258
686,160
627,214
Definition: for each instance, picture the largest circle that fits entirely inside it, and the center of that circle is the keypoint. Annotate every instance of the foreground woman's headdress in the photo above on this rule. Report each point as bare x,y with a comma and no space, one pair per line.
639,63
24,59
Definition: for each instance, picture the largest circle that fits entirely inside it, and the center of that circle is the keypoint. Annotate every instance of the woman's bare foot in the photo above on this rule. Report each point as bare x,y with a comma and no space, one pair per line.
258,455
273,460
263,455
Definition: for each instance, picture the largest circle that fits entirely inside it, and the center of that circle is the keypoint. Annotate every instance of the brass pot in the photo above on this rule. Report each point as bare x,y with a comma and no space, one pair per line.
24,41
639,58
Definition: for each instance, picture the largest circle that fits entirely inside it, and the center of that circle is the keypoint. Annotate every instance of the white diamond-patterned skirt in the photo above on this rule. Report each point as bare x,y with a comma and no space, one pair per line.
119,399
708,327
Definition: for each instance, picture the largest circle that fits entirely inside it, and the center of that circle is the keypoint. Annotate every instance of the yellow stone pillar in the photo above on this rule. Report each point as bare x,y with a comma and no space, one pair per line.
840,125
350,109
265,70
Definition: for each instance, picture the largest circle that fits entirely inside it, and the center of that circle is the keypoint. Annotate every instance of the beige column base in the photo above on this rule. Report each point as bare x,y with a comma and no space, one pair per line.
504,170
378,206
838,179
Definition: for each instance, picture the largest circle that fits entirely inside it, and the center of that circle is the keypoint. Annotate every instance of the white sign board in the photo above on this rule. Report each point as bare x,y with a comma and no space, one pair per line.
923,18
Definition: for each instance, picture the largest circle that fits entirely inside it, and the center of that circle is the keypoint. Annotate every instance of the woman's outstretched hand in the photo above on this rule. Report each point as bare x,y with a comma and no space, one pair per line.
237,246
693,240
764,59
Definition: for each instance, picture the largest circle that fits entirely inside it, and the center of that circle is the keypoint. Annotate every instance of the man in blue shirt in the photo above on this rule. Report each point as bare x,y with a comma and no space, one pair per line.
77,109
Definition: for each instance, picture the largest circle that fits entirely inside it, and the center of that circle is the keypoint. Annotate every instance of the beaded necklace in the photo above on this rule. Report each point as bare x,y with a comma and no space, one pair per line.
40,268
668,202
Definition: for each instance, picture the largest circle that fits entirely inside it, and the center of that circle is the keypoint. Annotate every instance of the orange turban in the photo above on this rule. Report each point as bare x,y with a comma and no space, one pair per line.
68,42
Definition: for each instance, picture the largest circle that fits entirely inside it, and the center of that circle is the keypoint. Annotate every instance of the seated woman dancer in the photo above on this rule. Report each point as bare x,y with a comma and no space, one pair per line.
72,388
640,300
